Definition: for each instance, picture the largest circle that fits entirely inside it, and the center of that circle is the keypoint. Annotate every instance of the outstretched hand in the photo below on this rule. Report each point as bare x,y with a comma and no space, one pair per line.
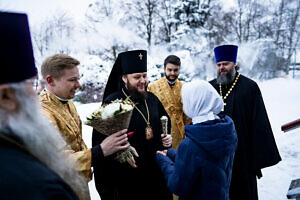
114,143
164,152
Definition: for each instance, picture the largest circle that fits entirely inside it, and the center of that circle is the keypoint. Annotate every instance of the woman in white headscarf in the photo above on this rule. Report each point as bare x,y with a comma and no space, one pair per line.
201,167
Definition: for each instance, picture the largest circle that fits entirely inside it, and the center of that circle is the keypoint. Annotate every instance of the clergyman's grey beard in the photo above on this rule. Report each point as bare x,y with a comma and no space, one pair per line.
228,78
135,94
41,138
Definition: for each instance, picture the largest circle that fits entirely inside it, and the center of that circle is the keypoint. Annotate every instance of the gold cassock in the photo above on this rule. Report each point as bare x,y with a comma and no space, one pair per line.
170,97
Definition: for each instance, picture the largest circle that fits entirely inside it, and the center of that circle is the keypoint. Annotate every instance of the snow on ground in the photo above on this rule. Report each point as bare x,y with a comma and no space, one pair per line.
85,110
282,100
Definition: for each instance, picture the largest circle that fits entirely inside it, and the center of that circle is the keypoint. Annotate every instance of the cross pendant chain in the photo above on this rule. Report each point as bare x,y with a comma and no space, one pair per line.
229,91
224,106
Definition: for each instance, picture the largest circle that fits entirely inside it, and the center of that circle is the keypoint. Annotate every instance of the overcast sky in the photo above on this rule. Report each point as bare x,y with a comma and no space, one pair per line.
39,10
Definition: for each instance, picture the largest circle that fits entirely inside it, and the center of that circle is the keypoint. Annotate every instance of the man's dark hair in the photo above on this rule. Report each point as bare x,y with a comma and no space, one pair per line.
175,60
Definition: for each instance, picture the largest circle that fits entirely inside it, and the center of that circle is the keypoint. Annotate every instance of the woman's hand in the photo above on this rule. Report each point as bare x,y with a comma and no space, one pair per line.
164,152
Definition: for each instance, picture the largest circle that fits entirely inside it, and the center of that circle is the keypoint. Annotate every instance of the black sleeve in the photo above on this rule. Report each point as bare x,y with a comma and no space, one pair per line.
102,168
265,153
97,154
163,112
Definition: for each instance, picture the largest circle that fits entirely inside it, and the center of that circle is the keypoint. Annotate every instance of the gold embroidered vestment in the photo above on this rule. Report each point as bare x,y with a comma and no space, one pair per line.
170,97
67,120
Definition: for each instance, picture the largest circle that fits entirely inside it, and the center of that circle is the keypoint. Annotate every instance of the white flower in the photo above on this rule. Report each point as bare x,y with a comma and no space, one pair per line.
109,110
114,108
126,107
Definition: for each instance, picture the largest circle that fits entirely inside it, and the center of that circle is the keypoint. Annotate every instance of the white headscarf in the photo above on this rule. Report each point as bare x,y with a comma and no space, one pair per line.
201,102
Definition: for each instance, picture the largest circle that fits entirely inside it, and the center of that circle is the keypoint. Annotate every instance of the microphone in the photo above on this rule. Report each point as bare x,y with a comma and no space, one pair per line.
164,124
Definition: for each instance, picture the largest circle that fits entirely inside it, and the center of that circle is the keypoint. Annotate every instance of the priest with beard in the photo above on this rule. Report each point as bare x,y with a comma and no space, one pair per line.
32,165
168,90
243,102
120,181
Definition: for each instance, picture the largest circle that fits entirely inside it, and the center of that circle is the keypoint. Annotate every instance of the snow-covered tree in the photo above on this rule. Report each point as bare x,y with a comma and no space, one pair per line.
55,35
105,33
192,13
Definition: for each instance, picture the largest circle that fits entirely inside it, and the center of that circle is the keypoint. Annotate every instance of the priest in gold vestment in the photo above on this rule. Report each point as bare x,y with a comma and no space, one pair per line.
61,74
65,117
168,90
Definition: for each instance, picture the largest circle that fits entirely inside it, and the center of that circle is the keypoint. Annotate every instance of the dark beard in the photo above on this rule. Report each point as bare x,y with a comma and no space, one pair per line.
171,80
228,78
135,94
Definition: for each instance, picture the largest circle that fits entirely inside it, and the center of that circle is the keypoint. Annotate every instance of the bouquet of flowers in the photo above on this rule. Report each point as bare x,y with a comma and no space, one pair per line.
111,118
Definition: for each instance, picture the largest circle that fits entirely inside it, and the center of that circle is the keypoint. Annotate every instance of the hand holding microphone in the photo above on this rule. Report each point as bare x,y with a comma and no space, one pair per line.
166,138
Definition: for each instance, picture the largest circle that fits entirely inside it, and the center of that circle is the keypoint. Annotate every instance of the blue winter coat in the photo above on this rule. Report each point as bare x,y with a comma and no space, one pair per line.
203,161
